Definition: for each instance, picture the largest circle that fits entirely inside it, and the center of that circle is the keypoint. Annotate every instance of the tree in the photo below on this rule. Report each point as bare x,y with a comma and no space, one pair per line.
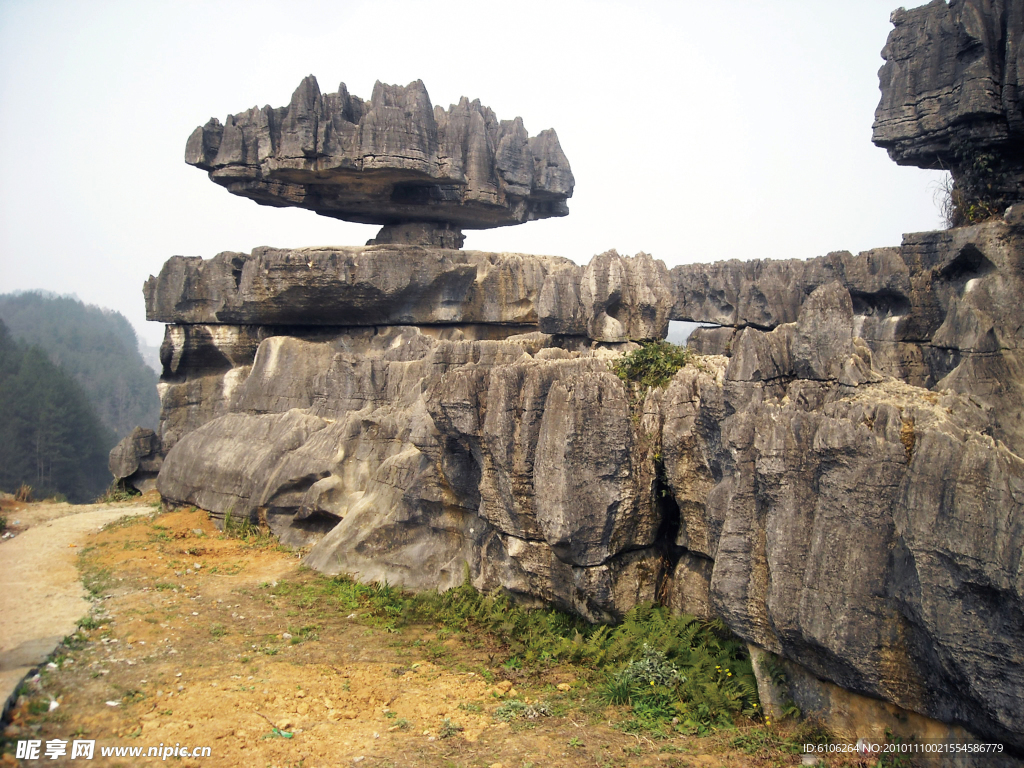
96,346
50,437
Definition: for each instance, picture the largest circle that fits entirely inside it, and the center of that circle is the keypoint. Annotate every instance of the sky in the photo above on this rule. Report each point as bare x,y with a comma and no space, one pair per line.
696,131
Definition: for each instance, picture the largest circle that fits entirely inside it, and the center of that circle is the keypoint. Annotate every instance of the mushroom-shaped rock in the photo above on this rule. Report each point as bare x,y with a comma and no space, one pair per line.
422,172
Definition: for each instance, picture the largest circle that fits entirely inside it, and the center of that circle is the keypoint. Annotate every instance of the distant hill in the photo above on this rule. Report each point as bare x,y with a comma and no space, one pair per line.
96,346
50,435
151,354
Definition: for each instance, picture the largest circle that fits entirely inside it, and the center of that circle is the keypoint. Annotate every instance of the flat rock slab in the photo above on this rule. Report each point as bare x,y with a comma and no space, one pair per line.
41,595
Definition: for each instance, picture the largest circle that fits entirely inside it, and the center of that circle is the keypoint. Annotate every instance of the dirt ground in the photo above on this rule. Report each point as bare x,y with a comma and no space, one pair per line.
41,595
189,645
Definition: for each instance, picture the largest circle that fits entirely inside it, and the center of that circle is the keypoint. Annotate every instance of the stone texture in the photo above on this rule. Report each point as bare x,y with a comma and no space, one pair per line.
319,437
391,160
374,285
838,475
614,298
137,459
403,454
939,312
952,92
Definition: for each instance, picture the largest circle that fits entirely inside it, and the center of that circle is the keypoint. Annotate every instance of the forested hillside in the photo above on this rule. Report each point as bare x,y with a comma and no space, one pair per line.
97,347
50,437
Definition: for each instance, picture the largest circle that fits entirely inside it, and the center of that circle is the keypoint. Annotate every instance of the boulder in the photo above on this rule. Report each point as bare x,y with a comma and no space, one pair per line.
135,462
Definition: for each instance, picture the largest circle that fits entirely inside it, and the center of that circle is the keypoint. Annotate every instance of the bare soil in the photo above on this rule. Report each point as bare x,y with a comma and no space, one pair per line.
187,645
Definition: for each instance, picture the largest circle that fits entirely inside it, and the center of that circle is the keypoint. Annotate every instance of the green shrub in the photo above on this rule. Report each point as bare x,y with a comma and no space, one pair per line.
653,365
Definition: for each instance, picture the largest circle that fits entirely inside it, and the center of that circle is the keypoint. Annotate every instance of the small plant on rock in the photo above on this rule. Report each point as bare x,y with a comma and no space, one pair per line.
653,365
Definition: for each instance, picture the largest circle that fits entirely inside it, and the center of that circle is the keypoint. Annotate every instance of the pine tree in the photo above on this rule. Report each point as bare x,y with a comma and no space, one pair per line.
50,437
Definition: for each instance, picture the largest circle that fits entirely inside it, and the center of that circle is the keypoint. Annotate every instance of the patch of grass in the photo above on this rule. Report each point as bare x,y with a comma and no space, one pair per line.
38,707
96,580
513,709
218,630
675,673
252,535
127,522
116,492
301,634
449,729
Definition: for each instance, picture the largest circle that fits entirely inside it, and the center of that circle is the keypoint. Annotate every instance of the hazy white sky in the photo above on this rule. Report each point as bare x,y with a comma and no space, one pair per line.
696,131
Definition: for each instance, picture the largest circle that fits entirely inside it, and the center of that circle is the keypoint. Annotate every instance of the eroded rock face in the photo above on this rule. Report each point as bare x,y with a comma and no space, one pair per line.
940,312
392,160
375,285
838,474
137,459
843,485
615,298
952,96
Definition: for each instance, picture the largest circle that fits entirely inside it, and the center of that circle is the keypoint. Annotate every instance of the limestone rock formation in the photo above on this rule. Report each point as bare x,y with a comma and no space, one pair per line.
137,459
940,312
375,285
839,474
615,298
953,96
424,172
840,477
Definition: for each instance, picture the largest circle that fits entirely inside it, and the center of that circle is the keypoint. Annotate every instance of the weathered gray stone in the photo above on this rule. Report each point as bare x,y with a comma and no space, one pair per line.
391,160
839,475
938,312
372,285
136,460
318,436
952,95
614,298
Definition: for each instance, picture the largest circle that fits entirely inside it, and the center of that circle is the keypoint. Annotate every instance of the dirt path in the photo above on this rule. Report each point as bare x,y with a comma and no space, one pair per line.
41,595
202,640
